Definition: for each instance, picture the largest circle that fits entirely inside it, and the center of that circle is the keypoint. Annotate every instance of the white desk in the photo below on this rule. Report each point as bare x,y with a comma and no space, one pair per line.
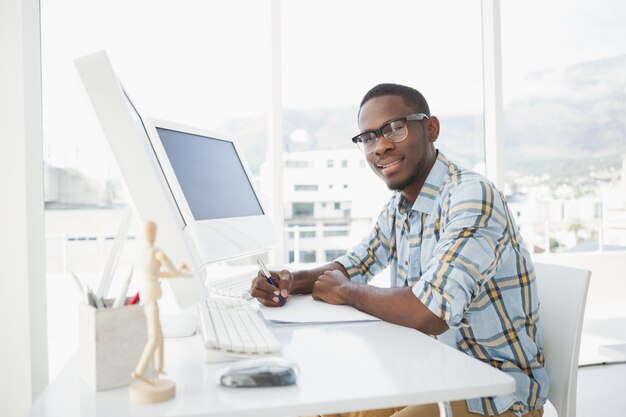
344,367
616,352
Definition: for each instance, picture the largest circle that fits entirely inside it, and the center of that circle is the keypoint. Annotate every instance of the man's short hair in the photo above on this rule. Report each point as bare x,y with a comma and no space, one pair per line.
412,98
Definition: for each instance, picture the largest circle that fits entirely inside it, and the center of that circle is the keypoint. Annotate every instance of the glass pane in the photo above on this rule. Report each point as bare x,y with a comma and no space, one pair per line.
189,62
565,100
564,122
333,53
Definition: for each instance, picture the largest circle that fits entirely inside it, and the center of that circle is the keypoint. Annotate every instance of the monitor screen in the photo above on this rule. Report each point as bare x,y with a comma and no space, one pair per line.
211,175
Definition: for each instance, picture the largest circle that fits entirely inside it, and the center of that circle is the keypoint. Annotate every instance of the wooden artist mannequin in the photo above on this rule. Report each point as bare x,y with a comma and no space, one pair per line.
146,390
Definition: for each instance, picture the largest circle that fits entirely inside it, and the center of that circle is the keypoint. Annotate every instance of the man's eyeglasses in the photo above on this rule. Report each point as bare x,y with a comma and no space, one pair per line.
394,131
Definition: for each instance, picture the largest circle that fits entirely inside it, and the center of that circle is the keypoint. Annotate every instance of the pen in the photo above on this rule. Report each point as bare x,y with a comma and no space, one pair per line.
93,300
267,274
121,297
78,285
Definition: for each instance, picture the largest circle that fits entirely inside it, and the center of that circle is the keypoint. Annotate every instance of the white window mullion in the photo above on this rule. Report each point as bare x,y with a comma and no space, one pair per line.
492,88
23,325
275,153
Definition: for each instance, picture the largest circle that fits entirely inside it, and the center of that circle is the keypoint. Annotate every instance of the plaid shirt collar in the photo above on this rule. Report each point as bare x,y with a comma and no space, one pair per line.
430,190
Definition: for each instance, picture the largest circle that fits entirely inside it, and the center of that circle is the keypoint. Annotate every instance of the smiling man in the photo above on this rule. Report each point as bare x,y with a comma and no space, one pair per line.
457,262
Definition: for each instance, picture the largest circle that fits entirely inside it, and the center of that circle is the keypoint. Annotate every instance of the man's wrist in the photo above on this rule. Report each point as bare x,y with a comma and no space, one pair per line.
297,283
346,292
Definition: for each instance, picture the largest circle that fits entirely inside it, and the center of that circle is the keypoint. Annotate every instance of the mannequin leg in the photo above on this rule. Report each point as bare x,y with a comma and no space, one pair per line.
151,309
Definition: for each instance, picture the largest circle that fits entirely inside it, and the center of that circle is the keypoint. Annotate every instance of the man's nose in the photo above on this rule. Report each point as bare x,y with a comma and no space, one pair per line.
383,145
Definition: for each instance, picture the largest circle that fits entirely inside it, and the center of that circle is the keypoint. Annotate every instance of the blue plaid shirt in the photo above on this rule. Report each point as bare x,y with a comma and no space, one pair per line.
459,249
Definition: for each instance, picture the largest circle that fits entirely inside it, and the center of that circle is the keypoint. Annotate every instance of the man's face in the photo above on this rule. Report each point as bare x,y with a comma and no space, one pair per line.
402,165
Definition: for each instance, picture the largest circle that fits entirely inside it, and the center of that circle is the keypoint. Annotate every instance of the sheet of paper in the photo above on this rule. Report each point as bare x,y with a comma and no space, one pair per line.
304,309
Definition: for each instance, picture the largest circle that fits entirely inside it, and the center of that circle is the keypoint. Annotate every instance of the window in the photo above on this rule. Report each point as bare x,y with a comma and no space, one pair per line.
561,82
561,118
306,230
335,229
307,256
170,74
331,255
303,209
306,187
327,111
297,164
83,192
564,143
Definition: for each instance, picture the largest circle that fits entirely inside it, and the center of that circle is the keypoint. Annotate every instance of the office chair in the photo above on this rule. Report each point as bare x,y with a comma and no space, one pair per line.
562,298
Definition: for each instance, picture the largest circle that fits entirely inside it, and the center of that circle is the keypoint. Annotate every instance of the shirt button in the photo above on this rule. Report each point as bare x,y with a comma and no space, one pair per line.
406,262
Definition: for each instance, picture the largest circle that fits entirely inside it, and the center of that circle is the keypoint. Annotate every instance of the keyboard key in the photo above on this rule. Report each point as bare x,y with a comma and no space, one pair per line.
232,325
235,286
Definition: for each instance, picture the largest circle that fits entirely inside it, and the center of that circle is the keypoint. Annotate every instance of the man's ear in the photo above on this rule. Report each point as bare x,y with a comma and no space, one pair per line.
432,128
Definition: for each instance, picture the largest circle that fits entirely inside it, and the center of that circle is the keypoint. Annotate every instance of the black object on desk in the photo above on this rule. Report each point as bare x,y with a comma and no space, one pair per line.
261,372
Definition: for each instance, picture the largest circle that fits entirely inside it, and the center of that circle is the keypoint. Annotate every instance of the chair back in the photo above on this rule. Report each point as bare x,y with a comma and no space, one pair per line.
562,298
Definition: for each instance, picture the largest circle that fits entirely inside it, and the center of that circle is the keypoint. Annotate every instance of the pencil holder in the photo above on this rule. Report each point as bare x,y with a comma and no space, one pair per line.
110,344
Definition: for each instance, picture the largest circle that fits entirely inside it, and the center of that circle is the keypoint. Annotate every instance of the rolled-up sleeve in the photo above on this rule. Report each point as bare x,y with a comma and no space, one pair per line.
473,234
374,252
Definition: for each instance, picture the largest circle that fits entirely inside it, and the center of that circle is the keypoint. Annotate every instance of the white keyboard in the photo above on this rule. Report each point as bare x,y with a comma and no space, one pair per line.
237,286
231,328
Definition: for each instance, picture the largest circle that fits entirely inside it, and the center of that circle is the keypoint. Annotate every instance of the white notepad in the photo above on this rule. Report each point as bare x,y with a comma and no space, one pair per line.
304,309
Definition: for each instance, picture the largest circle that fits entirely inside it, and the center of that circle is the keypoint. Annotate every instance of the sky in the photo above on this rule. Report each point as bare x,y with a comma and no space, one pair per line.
203,62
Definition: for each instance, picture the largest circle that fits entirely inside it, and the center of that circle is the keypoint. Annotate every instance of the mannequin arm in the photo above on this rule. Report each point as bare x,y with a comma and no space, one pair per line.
170,270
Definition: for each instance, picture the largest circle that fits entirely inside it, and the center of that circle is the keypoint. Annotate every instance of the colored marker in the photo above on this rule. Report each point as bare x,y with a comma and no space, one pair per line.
134,300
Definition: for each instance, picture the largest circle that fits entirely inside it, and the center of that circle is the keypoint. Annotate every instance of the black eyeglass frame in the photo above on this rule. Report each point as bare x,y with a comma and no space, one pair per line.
379,132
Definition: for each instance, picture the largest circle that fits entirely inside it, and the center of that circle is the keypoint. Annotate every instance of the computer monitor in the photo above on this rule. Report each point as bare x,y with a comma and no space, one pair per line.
194,184
212,187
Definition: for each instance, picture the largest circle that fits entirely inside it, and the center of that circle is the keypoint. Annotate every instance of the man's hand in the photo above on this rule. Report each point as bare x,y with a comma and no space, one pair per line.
332,287
266,293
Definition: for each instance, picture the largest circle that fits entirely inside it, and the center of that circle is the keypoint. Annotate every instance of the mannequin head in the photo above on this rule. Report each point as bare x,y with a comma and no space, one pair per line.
150,232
